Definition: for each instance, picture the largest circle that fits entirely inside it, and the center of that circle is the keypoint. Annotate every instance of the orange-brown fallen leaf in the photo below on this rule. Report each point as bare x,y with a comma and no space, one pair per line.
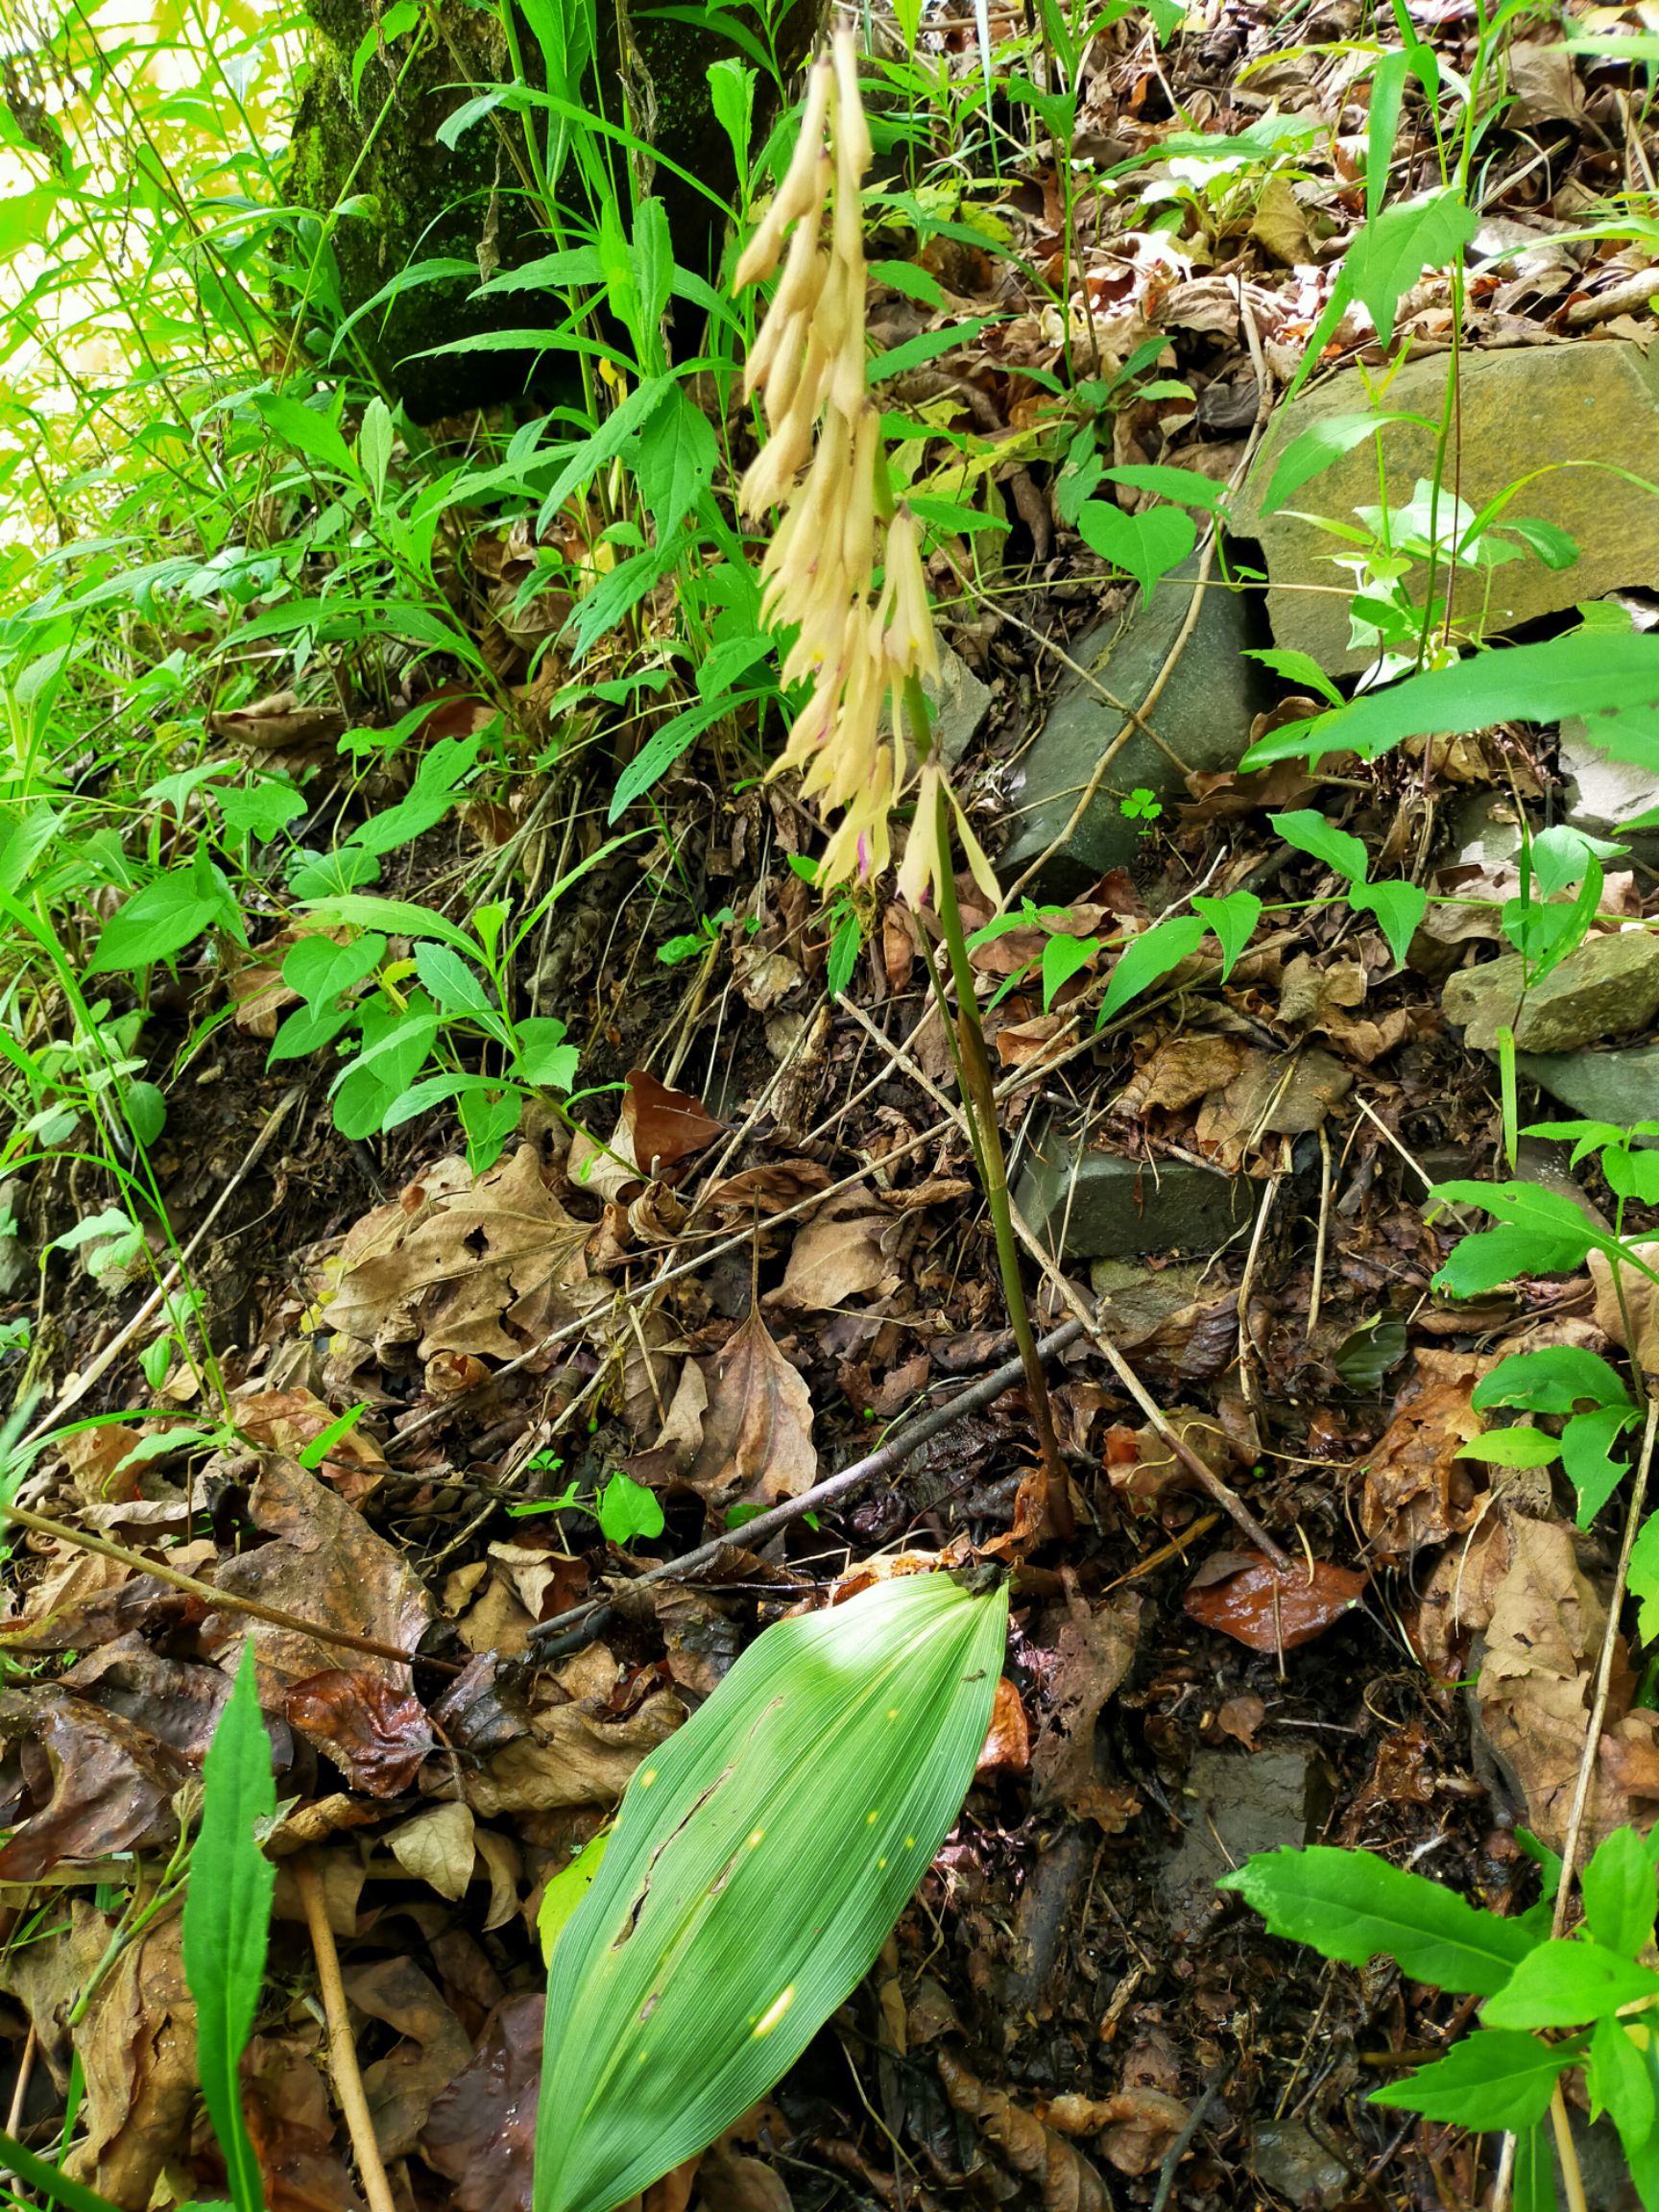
1239,1593
758,1425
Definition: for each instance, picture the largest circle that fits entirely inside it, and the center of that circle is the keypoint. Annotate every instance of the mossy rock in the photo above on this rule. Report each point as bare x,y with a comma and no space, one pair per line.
430,201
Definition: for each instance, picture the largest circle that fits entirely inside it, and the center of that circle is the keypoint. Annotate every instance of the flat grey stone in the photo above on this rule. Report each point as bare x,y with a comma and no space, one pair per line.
1235,1803
1098,1205
1609,987
1520,408
1619,1087
1287,2160
1203,716
1603,795
960,703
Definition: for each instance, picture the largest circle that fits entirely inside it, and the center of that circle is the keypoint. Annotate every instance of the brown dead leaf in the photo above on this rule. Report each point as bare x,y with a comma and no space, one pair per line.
437,1847
376,1733
289,1420
286,2103
1416,1491
757,1427
94,1459
323,1563
1136,2125
1007,1745
1537,1682
455,1271
1093,1651
573,1756
278,723
664,1126
1067,2181
1238,1592
176,1700
1240,1716
729,2180
136,2043
105,1784
403,2085
1640,1295
836,1257
769,1188
1181,1071
481,2135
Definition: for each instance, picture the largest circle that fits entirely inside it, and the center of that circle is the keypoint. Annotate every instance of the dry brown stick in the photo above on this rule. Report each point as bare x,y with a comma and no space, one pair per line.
125,1334
342,2051
223,1600
1204,1474
882,1461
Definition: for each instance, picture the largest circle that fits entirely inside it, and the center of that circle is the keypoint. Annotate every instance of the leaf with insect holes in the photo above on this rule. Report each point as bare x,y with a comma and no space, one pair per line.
1541,1233
1144,546
1584,673
1234,919
1062,957
1354,1907
1149,958
1553,1381
228,1919
1497,2078
759,1858
1568,1981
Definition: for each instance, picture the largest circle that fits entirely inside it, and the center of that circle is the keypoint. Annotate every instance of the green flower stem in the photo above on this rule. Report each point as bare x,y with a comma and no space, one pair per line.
966,1037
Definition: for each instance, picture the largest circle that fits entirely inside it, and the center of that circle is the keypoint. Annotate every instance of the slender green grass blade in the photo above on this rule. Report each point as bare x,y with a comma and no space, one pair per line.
227,1920
759,1860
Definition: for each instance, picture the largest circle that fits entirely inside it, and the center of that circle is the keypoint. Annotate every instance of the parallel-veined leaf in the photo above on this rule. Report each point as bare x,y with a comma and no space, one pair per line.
759,1860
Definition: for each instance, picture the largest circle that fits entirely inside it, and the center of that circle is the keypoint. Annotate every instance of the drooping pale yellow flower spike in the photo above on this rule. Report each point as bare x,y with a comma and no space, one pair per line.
858,651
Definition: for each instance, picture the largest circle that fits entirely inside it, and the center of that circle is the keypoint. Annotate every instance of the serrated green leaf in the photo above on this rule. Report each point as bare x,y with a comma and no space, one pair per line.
1566,1983
1553,1381
1543,1233
1352,1906
1587,1455
228,1919
1519,1446
1153,955
391,917
1320,444
759,1859
1497,2078
1392,251
1621,1901
457,986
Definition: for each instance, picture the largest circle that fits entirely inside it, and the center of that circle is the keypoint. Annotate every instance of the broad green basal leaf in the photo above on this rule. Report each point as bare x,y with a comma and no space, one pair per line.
759,1858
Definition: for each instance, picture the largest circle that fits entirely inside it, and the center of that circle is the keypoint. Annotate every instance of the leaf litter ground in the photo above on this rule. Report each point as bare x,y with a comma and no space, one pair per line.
774,1255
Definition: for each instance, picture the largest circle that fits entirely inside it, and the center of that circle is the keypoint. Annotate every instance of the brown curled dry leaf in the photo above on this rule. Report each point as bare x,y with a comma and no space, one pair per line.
756,1428
1065,2179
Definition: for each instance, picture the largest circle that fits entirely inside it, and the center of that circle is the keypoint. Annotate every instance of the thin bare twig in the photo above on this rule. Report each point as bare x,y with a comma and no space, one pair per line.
883,1461
223,1600
342,2051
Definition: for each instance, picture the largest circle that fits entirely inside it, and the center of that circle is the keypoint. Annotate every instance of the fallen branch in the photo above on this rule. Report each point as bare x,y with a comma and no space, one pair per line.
342,2051
585,1618
223,1600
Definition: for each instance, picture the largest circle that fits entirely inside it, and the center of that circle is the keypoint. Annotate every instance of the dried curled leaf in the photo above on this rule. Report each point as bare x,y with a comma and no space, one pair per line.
1069,2182
759,1859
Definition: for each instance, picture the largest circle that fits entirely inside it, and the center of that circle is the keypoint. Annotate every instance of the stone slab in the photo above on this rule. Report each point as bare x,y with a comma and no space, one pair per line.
1203,716
1609,987
1098,1205
1603,794
1520,408
1235,1803
1619,1087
